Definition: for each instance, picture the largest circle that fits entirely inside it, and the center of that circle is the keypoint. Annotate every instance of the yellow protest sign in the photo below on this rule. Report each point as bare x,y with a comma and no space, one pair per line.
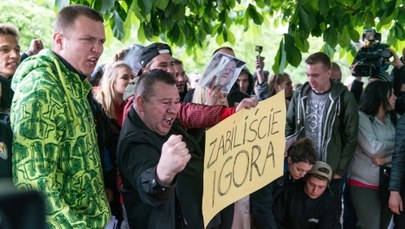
243,153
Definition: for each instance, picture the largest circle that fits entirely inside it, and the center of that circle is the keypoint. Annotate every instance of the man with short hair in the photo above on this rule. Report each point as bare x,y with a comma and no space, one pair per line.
10,58
9,61
328,114
307,204
160,164
181,78
55,146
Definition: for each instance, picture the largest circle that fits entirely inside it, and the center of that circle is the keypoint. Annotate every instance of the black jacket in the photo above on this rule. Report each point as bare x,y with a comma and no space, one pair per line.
108,130
398,83
293,209
262,202
6,93
357,89
398,157
235,96
6,137
148,204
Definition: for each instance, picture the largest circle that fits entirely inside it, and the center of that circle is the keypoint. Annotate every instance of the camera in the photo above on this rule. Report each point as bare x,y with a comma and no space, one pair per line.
259,49
371,59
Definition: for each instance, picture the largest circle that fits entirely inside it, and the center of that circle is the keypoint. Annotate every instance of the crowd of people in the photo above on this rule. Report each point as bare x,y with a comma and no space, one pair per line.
123,144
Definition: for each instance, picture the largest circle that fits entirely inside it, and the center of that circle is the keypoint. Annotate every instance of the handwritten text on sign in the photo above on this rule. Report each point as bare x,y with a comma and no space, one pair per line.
243,153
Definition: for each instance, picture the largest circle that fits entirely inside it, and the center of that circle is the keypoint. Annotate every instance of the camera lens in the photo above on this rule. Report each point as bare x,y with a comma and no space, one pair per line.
386,53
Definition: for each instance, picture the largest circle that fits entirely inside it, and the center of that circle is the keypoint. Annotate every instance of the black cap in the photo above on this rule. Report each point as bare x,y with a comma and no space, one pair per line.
151,51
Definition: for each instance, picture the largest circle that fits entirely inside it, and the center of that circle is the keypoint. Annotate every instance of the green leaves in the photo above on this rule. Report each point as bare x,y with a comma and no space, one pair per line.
145,7
293,53
328,50
176,35
354,35
252,13
162,4
192,23
117,25
280,59
323,7
103,7
179,12
331,36
287,52
399,31
306,17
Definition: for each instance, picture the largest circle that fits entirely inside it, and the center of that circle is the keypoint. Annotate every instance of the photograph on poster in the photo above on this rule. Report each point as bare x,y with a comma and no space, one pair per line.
223,70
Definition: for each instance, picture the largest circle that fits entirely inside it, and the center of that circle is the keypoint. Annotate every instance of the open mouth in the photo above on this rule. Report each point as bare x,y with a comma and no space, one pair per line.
93,61
168,122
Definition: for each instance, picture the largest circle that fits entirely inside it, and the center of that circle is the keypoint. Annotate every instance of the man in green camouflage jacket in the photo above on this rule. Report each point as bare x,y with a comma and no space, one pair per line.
55,145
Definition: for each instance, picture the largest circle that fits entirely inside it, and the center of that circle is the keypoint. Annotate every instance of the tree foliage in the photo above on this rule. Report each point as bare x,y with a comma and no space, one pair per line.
190,22
32,19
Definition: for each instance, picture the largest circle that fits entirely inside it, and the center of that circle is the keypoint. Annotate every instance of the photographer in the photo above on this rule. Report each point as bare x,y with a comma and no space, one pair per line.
395,78
373,61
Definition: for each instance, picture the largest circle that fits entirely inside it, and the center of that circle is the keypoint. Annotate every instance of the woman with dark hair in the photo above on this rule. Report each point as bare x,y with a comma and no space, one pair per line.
279,82
372,158
301,157
274,85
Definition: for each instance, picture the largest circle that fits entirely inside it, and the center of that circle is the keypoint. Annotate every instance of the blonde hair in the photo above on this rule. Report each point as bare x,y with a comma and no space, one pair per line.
199,96
106,94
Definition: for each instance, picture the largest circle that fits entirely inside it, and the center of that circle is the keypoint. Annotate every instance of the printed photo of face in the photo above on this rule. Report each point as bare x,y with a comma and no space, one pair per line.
226,75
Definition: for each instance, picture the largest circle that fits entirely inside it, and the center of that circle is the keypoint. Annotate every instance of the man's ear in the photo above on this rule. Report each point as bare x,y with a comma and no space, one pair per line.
329,72
58,40
139,103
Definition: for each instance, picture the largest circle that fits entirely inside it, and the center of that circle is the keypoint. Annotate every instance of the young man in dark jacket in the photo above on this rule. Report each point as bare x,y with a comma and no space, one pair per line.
308,204
328,114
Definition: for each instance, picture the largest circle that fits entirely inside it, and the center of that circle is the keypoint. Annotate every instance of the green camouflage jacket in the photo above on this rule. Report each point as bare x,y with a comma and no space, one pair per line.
55,147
